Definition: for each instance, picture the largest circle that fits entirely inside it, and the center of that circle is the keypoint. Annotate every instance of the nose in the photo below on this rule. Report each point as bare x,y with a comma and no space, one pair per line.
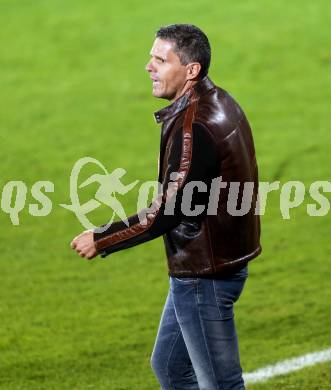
148,66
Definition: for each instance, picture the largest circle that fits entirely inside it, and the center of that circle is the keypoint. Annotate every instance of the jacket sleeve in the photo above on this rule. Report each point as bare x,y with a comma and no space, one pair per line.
192,157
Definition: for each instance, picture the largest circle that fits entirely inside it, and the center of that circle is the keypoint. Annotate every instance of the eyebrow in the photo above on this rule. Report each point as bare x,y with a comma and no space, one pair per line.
158,57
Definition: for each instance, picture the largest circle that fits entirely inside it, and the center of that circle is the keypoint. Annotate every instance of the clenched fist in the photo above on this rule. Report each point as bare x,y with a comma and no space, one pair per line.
84,245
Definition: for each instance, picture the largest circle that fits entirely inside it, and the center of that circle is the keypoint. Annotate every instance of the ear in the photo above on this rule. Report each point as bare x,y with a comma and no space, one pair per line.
193,70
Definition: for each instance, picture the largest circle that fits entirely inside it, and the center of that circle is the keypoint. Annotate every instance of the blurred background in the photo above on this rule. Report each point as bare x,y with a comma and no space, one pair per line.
73,84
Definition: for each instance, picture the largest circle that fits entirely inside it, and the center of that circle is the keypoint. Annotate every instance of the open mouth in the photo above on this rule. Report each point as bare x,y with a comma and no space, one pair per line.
154,79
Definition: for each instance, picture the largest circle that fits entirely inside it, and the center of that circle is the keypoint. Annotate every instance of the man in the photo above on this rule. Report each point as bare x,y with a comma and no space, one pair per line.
205,137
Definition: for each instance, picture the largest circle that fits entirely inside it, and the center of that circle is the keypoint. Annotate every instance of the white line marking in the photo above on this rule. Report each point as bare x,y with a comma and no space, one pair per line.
288,366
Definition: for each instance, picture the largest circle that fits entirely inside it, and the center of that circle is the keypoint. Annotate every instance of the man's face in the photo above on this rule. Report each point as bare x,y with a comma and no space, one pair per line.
168,74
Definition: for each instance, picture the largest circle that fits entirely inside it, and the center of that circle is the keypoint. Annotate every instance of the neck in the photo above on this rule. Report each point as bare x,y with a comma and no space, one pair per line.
188,85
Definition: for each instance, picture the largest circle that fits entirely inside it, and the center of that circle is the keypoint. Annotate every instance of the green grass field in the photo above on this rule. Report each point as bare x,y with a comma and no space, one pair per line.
72,84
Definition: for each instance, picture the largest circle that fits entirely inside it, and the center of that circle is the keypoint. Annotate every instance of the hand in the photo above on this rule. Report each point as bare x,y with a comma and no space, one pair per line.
84,245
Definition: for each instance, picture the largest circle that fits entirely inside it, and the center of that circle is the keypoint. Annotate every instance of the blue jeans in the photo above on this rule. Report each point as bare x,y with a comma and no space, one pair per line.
196,345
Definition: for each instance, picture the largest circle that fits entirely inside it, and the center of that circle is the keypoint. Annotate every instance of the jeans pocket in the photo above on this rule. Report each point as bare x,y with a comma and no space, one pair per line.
227,292
185,280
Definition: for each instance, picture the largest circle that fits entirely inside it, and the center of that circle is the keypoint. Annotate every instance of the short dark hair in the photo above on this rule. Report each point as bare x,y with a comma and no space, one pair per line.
191,44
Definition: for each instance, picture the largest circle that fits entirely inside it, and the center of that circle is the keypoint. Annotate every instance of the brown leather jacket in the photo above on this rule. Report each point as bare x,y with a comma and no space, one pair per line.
207,231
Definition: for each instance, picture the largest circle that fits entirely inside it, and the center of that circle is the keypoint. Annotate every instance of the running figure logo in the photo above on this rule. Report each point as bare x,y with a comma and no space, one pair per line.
110,184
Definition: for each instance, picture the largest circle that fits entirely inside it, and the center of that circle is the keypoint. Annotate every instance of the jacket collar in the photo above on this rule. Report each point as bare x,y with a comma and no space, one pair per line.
200,88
